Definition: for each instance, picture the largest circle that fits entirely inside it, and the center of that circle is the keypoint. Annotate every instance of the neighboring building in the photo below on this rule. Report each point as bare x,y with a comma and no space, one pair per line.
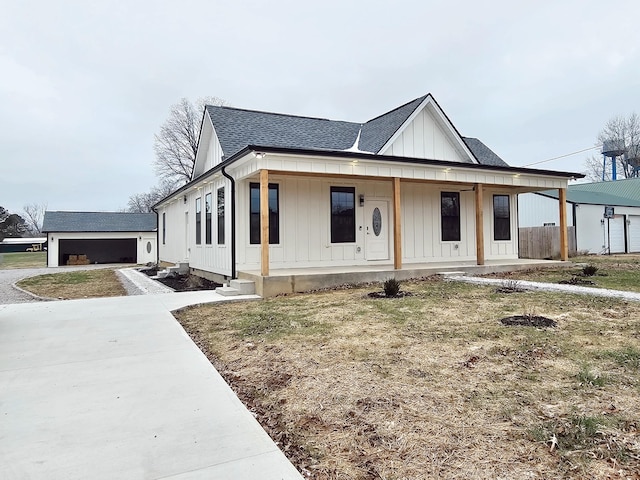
271,193
100,237
606,215
12,244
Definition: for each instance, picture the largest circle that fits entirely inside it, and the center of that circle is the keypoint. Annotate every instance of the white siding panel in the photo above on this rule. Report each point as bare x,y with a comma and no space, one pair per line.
424,138
535,210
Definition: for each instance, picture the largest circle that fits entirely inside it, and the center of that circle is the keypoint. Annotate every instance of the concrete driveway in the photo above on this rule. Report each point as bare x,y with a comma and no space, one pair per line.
114,388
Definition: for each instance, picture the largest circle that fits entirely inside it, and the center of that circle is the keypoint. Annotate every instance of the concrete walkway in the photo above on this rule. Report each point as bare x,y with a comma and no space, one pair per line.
114,388
548,287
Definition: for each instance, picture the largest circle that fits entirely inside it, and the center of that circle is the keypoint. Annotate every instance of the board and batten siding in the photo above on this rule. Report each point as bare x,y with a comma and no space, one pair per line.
425,138
211,257
305,219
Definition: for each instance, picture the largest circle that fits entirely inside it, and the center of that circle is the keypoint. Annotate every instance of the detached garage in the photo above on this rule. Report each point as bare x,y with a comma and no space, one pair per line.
606,215
81,238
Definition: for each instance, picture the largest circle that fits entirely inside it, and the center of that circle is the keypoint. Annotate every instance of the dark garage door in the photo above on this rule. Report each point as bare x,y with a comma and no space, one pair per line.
115,250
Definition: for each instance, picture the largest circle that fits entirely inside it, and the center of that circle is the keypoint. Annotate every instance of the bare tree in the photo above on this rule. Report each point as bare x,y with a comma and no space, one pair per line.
34,215
625,131
143,202
176,144
11,224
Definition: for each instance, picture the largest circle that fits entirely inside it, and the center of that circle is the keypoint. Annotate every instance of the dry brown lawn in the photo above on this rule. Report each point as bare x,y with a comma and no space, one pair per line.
432,385
71,285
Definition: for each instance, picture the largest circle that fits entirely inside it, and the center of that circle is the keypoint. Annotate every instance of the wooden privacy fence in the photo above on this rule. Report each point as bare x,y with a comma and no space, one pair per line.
544,242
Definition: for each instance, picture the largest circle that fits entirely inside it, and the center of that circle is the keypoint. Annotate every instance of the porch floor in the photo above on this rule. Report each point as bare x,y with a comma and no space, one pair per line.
289,280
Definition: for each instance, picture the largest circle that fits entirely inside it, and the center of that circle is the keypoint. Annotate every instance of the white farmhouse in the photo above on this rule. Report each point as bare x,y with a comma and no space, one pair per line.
295,203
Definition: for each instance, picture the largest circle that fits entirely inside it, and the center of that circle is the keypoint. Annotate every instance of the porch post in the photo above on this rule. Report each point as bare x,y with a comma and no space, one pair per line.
564,239
264,222
397,232
479,225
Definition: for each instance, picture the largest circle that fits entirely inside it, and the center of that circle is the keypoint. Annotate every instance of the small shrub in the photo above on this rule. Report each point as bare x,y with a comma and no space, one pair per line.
391,287
509,286
589,270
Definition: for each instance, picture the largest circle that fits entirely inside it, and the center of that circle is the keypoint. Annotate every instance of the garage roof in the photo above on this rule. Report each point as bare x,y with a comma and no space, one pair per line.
99,222
619,193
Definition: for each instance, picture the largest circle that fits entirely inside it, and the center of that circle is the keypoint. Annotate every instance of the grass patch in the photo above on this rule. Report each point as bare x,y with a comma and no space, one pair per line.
432,385
23,260
70,285
627,357
616,272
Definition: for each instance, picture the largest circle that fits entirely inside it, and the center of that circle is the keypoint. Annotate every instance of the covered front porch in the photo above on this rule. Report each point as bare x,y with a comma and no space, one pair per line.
292,280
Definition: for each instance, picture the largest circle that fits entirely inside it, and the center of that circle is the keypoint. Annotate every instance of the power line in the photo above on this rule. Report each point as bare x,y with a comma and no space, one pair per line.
562,156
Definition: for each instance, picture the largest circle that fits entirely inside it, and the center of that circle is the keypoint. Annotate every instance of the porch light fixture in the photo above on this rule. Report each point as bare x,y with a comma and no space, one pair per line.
517,175
259,155
447,170
361,199
184,199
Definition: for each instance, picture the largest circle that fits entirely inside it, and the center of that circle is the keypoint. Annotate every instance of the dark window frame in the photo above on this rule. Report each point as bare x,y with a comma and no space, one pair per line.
343,214
207,219
450,216
221,211
502,222
199,221
254,213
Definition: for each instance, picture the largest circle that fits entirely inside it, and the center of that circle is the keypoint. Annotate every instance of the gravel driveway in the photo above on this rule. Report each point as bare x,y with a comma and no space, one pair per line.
10,294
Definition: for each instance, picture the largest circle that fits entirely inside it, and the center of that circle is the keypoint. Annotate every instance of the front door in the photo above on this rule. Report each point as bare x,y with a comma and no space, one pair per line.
376,243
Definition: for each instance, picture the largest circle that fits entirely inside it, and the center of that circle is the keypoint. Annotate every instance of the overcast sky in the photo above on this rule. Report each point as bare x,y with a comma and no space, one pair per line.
85,85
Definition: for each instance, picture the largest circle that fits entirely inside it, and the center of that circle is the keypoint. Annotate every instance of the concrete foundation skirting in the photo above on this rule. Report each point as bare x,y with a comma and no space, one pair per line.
214,277
306,280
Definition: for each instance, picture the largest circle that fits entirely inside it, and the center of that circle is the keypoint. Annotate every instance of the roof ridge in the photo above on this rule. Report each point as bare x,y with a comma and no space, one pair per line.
280,114
399,107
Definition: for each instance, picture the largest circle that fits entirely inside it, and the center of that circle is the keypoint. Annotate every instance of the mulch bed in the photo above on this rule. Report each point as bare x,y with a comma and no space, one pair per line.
384,295
188,283
182,283
528,321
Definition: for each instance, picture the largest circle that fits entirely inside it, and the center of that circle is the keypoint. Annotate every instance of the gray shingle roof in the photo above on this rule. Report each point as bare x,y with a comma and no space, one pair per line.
376,132
237,128
98,222
484,154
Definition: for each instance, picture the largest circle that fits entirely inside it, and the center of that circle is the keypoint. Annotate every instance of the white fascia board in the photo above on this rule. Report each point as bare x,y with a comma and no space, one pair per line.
442,120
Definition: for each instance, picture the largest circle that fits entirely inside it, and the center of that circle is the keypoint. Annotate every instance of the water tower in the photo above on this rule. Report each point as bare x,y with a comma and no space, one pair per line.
612,148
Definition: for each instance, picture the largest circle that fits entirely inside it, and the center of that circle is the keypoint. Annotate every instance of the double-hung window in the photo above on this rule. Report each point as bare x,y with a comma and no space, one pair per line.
501,218
221,216
343,214
198,221
207,227
254,213
450,216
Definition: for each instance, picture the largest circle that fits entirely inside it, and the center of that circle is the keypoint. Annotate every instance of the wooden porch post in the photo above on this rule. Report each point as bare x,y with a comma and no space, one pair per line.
479,225
397,232
564,240
264,222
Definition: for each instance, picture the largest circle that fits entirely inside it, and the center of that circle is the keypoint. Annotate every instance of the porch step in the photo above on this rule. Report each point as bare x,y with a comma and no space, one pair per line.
227,291
245,287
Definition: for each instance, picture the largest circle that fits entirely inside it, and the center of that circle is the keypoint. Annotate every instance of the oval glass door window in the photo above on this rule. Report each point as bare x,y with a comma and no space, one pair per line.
148,247
377,221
